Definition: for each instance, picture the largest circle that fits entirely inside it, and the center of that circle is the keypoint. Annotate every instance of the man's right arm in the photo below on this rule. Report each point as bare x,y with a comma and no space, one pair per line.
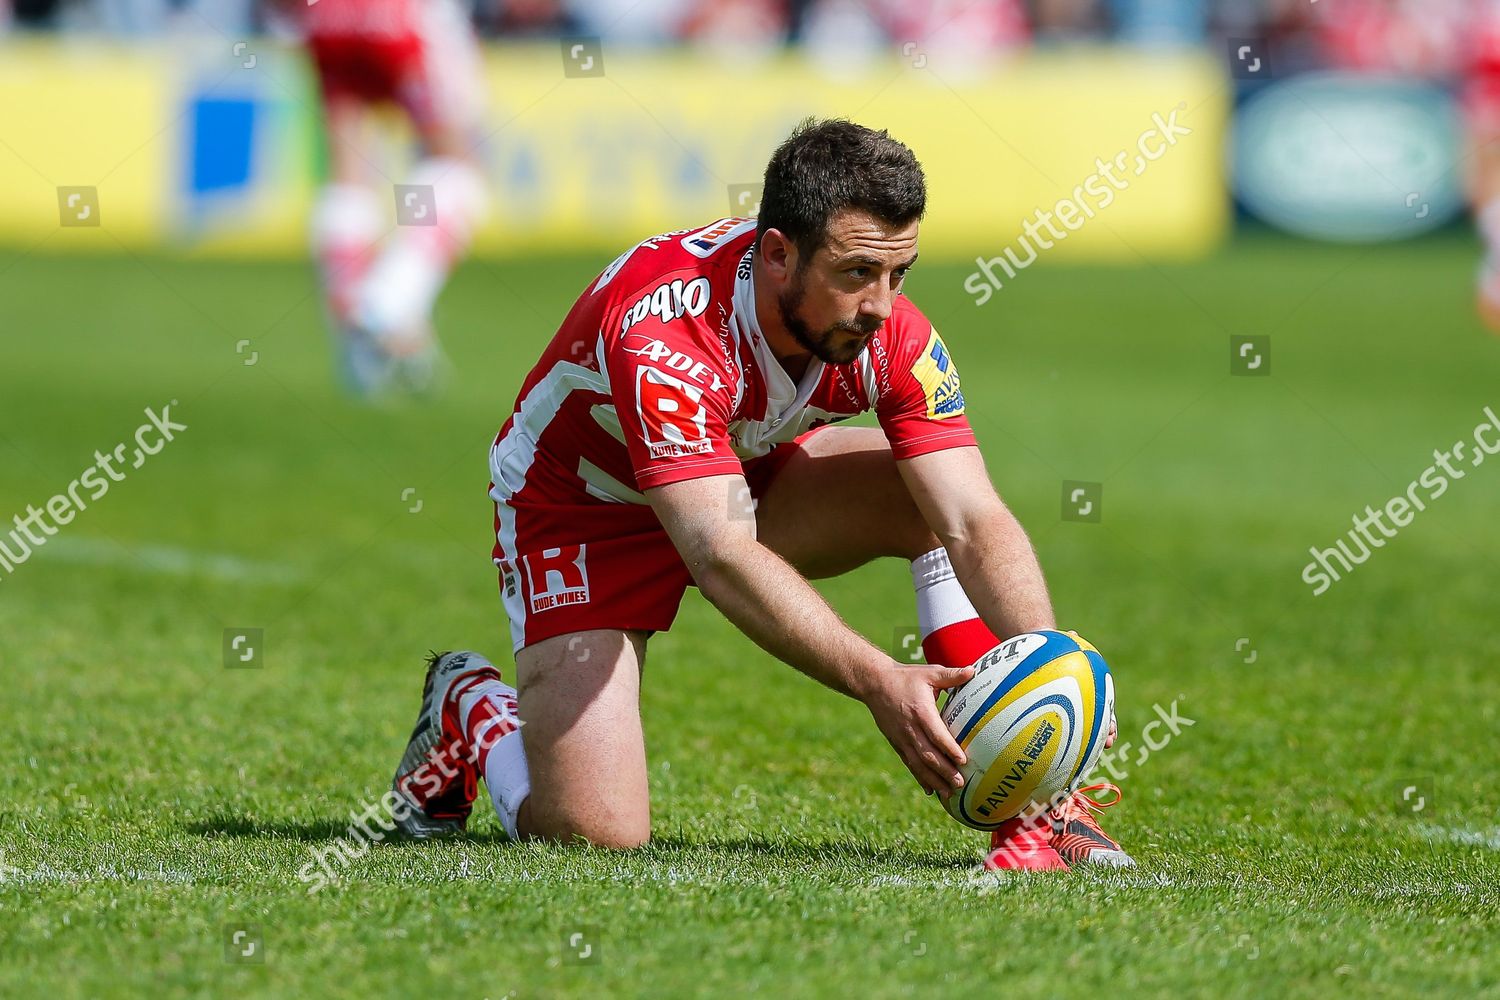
768,600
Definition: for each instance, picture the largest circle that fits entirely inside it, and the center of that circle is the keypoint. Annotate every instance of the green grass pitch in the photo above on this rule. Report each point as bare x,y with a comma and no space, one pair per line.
153,802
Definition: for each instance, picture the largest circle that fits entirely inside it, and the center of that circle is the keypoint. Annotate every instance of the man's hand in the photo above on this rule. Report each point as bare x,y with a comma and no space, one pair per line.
901,698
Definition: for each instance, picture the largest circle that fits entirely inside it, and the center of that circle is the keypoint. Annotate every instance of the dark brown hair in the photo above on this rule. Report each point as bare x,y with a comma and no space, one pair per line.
827,166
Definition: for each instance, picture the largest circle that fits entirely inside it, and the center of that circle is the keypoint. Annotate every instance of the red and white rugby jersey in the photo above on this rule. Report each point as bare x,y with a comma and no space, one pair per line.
1425,37
1482,35
363,18
660,373
994,26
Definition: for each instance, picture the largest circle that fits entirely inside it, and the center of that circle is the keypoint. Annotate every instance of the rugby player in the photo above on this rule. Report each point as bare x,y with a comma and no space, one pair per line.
1481,104
421,57
1447,40
680,429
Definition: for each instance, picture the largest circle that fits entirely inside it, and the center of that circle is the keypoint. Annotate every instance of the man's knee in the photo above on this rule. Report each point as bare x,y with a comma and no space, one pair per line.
572,826
580,704
618,839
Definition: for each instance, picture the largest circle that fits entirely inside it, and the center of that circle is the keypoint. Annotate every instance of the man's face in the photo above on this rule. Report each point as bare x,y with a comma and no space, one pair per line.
835,301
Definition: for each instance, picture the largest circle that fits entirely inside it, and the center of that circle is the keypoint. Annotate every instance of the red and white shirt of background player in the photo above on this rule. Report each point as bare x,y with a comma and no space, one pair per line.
660,374
421,55
1437,39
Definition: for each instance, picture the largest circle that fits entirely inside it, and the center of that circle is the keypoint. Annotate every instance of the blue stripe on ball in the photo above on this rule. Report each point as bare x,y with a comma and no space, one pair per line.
1056,645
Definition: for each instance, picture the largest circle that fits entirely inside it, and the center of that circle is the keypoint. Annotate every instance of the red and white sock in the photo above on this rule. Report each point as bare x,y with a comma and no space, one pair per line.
953,635
1489,268
1488,220
493,730
346,224
397,293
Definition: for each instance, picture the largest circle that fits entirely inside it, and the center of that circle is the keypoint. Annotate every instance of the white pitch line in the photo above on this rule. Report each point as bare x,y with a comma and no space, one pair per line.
165,560
45,874
975,880
1463,835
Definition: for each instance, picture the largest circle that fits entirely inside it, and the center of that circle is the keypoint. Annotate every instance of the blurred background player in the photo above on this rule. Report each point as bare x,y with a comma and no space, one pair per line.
379,284
1481,99
1440,40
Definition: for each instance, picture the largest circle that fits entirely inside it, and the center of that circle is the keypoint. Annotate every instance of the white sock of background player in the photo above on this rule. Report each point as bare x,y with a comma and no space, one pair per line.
395,297
347,221
1488,220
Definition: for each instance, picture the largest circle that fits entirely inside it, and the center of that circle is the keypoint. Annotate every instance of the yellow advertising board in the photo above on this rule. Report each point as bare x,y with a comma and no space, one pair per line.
194,150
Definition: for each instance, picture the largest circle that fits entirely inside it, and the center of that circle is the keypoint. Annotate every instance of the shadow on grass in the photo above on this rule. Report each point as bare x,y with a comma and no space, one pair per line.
787,848
311,832
833,852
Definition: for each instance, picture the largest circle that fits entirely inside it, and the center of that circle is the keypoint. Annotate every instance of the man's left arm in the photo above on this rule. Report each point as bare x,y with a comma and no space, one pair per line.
991,555
987,547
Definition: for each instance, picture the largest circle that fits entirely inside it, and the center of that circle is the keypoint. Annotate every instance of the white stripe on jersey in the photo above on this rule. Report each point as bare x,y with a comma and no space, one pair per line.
600,484
867,376
800,421
517,450
512,456
607,417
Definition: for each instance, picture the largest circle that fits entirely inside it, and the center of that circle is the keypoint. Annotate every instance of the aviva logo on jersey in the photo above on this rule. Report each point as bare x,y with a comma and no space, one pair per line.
939,377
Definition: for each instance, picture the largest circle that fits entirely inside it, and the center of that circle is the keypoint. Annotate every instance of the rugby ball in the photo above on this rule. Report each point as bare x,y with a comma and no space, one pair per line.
1032,720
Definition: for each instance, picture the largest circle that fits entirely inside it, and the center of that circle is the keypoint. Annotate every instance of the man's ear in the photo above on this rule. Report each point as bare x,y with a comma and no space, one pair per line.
778,254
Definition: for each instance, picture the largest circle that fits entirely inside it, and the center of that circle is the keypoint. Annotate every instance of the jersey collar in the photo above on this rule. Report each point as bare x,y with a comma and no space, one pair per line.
783,396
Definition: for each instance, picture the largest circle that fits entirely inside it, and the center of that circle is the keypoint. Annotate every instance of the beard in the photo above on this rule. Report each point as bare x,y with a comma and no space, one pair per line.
838,344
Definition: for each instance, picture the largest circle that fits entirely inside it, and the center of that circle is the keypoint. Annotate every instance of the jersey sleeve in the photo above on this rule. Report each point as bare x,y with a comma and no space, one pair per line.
669,385
920,402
